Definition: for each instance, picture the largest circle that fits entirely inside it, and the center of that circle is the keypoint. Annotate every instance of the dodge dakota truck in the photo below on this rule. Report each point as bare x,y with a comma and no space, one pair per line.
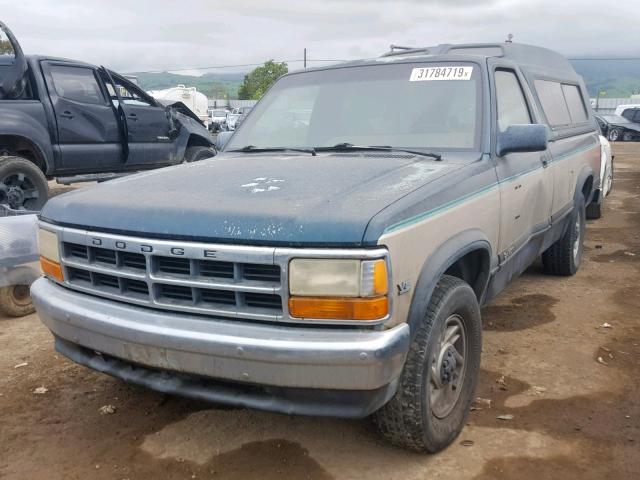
334,258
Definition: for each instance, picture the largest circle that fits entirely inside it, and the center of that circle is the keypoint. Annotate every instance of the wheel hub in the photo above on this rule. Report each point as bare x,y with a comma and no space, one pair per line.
15,197
448,365
20,294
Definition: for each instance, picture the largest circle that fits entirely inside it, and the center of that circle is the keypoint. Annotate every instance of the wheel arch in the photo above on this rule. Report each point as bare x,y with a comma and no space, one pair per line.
27,148
467,255
585,185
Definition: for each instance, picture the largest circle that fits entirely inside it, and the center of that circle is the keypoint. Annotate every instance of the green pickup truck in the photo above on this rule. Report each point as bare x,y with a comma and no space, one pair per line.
333,259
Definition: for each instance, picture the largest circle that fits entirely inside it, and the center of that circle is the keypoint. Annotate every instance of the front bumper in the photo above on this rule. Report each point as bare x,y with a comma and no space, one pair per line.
337,372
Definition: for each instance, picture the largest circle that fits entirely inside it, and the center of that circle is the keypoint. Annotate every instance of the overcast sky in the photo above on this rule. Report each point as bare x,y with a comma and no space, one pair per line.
141,35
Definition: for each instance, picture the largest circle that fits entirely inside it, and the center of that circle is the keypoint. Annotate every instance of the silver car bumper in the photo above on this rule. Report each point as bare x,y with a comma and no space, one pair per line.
248,353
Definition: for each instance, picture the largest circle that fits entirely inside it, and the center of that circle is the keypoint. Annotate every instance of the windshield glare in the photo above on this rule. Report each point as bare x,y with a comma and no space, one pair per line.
370,105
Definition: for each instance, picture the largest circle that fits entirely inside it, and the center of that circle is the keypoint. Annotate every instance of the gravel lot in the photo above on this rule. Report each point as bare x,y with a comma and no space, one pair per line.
571,386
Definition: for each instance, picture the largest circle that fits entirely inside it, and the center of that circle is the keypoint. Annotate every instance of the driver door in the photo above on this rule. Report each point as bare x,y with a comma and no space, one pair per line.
147,123
526,189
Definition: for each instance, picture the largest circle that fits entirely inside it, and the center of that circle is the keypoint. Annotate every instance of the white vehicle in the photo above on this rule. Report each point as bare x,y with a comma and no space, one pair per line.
594,209
216,119
621,108
196,102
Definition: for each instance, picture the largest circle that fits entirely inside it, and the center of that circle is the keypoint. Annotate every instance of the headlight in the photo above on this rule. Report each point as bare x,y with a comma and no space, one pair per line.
49,254
341,289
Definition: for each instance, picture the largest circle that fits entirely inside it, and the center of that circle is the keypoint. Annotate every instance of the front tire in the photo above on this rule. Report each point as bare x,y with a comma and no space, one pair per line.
614,135
565,256
193,154
438,381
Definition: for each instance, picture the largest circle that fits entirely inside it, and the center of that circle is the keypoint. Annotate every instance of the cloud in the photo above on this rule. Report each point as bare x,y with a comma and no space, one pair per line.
154,35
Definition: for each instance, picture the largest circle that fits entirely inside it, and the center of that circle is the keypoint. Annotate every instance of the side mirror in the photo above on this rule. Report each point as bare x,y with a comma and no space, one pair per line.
523,138
222,139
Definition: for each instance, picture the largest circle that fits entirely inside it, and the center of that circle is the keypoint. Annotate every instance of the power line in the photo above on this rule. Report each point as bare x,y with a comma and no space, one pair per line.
217,67
220,67
610,59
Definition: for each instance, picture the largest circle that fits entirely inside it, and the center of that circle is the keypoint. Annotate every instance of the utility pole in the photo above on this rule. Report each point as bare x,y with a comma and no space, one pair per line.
305,58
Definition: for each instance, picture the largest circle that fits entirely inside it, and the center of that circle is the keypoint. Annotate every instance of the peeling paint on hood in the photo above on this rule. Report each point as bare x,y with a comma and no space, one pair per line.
253,199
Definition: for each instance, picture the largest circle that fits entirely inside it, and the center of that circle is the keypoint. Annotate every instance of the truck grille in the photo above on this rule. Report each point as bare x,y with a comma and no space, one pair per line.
235,282
236,288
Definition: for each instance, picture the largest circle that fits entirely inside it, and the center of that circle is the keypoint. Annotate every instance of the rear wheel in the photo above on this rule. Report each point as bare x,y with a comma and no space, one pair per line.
193,154
15,301
608,179
438,381
565,256
23,186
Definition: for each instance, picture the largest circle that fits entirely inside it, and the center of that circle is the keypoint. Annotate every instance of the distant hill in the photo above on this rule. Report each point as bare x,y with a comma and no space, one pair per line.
619,78
213,85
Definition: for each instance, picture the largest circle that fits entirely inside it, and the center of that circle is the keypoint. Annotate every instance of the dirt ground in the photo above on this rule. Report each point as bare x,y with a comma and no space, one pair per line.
571,385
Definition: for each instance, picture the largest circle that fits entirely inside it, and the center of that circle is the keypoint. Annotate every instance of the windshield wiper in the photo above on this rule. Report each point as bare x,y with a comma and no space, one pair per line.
343,147
254,149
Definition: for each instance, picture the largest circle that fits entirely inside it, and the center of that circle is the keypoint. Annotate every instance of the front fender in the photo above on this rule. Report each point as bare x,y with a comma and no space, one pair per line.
437,264
189,128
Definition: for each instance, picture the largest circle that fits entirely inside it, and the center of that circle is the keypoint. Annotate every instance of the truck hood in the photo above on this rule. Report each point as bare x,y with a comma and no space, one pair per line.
324,200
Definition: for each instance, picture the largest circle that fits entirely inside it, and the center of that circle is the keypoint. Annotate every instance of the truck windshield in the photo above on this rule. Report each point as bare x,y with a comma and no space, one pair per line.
428,105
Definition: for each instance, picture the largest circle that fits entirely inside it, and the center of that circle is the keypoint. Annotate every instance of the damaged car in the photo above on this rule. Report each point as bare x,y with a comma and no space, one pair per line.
61,117
616,128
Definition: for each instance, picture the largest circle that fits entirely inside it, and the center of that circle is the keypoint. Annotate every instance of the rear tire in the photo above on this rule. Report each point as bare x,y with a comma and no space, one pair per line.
23,186
438,381
15,301
193,154
565,256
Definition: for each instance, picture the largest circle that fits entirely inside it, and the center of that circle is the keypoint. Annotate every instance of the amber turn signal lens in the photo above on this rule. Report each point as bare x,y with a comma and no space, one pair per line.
380,286
51,268
339,308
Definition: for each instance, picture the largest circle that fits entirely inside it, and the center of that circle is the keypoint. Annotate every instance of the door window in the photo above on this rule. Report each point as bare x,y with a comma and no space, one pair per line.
628,114
130,94
6,49
511,104
76,83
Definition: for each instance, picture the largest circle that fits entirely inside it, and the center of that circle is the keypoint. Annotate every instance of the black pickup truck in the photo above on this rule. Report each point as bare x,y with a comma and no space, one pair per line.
62,117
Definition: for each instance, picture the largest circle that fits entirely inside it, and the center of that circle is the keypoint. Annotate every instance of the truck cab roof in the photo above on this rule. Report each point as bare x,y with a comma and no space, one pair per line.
533,58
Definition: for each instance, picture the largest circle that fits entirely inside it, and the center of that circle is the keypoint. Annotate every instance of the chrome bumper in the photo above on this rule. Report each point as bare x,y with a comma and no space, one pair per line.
249,353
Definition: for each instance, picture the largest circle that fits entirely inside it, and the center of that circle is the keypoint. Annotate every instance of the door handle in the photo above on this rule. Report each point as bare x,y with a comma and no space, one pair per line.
133,117
66,114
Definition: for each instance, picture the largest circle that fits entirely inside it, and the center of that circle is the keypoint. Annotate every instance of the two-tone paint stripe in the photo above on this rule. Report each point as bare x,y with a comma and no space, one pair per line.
458,201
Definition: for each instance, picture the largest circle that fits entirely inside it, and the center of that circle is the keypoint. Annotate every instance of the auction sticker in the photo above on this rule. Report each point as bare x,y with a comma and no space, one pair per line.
426,74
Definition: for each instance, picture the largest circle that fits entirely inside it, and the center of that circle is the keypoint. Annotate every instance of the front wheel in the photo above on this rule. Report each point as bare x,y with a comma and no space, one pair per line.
438,381
565,256
614,135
